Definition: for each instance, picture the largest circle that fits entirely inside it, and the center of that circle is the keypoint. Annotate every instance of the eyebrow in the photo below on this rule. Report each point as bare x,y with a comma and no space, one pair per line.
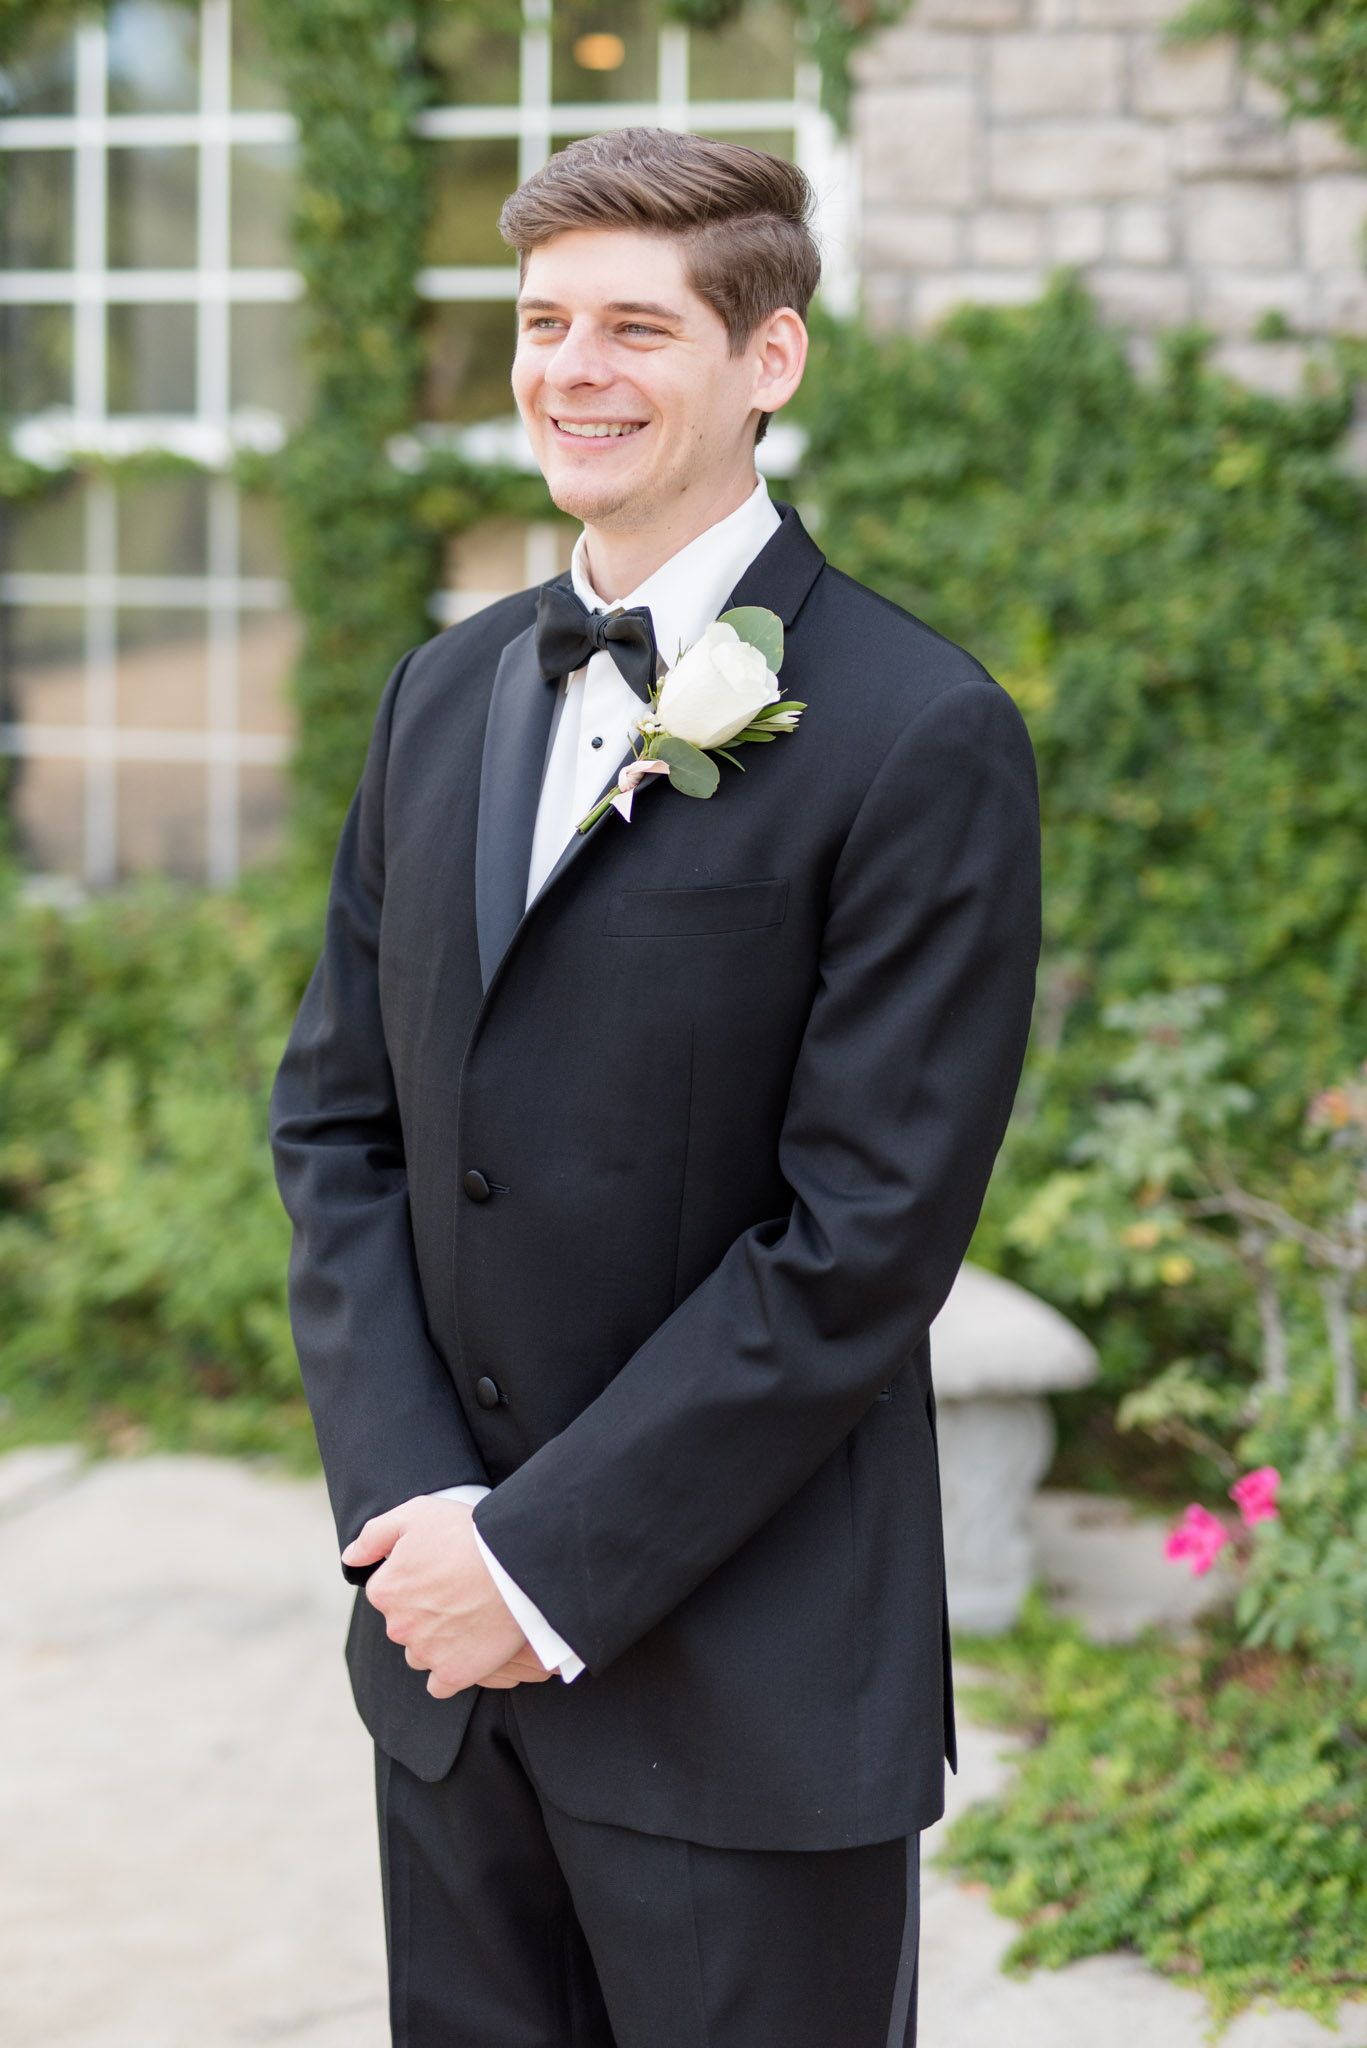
648,306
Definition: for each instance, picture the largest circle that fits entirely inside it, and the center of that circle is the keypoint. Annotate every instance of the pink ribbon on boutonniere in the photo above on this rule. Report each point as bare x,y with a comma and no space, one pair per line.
630,780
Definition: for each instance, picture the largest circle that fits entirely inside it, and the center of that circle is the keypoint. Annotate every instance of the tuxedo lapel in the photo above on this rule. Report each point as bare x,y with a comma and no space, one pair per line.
520,712
783,571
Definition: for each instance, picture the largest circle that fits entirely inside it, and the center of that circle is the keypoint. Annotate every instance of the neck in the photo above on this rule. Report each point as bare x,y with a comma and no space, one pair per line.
619,560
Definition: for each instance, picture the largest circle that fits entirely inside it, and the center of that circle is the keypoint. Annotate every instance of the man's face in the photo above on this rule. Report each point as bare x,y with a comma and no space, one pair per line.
625,380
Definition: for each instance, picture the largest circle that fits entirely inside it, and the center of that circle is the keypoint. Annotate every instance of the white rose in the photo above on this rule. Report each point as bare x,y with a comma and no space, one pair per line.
714,691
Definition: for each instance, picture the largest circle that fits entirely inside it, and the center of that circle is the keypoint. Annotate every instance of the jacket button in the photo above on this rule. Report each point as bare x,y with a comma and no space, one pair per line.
476,1186
487,1394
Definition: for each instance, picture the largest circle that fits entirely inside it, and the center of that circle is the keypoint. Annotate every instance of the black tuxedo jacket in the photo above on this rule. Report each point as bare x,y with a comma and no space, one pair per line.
684,1161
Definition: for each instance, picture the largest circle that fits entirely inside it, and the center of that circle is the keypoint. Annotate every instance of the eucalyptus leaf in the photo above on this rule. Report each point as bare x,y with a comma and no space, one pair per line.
690,771
763,629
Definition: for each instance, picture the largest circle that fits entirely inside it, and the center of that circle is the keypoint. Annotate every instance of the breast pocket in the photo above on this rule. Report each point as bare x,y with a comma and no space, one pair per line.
695,913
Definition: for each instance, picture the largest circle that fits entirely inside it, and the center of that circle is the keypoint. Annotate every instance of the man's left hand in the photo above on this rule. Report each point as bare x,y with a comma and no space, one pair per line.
438,1600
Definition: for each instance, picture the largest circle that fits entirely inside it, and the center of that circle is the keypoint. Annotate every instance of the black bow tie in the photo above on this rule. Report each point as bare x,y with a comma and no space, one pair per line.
567,633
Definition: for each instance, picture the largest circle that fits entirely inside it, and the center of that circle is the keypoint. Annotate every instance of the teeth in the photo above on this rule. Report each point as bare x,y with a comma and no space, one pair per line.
599,430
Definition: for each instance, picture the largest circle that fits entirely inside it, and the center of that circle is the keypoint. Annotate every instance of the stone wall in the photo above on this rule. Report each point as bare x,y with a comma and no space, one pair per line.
1000,139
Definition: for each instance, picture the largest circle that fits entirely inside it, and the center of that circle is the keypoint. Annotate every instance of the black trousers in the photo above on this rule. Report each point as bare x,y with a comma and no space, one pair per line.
512,1925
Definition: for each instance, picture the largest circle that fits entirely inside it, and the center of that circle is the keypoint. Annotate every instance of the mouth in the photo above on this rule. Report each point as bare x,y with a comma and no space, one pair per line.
597,430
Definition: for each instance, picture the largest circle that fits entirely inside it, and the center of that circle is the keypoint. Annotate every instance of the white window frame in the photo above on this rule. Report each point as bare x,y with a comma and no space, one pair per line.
213,434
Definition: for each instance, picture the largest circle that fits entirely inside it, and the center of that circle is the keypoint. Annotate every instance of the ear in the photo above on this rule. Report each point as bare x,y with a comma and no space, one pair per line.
778,349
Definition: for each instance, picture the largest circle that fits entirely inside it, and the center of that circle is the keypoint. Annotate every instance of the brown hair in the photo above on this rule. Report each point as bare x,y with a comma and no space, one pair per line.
743,216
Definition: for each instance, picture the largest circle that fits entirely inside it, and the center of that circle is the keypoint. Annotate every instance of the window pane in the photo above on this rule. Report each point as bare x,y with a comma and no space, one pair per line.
153,57
152,209
35,358
469,362
262,800
255,80
470,181
263,187
752,58
162,527
44,649
40,76
605,50
151,359
48,805
268,647
476,63
47,534
161,669
260,538
35,210
775,141
161,811
267,367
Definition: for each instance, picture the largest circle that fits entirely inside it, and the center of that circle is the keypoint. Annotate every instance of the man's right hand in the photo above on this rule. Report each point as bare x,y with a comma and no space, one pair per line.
525,1668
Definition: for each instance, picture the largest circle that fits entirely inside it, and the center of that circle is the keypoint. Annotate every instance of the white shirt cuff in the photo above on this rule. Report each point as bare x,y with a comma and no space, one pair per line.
552,1652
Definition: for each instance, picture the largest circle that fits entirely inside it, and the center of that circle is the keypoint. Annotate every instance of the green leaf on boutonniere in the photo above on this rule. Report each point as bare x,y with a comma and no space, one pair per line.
763,629
690,771
784,708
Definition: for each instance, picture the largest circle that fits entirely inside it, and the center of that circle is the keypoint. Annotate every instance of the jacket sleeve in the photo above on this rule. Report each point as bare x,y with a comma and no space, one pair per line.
388,1419
900,1098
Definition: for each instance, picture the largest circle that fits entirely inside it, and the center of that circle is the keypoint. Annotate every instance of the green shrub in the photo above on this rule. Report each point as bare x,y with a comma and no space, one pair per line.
1204,1806
142,1247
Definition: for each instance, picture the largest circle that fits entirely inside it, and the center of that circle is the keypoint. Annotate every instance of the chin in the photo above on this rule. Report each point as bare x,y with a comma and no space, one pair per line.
597,501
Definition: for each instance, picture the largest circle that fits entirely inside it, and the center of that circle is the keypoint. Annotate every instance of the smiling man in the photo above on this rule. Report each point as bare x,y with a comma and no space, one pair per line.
629,1168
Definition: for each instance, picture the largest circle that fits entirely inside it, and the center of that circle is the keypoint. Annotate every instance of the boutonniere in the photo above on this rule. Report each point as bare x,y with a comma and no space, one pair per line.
722,693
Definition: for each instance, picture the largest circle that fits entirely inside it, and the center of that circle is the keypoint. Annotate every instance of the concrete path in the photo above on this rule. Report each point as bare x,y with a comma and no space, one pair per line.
186,1857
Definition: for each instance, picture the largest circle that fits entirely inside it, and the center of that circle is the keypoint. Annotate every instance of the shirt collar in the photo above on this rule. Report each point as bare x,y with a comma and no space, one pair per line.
687,592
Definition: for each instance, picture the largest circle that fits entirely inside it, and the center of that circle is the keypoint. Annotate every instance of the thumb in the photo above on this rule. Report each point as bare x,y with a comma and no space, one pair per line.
376,1539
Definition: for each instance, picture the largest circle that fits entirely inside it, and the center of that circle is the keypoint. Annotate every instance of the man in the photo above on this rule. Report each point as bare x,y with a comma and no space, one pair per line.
628,1170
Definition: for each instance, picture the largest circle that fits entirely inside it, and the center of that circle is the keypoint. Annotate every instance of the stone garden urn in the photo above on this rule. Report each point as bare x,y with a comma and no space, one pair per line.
995,1353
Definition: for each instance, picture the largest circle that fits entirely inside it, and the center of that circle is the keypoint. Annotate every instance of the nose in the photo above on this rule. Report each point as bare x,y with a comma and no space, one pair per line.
580,359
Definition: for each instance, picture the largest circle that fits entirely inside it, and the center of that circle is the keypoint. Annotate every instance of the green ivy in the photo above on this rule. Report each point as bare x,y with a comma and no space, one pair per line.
1313,51
1203,1806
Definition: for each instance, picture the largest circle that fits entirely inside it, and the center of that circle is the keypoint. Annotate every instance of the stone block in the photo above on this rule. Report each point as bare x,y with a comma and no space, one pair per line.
917,145
1240,225
1319,146
1234,302
1342,302
1005,238
1256,96
1142,233
1055,74
1077,234
1334,222
1276,368
973,14
914,238
912,55
1122,14
933,297
1147,301
1237,146
1081,160
885,301
1199,79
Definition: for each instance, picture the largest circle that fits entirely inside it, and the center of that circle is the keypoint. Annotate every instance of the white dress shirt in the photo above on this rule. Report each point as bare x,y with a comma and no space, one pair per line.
595,722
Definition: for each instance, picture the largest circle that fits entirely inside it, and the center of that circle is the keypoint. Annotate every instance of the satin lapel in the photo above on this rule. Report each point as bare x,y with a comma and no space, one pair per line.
783,571
520,712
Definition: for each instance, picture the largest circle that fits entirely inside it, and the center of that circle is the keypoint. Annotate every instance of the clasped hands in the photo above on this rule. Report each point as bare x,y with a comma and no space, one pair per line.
438,1599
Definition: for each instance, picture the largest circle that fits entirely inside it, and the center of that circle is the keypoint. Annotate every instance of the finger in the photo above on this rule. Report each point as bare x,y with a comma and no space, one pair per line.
375,1541
439,1688
415,1662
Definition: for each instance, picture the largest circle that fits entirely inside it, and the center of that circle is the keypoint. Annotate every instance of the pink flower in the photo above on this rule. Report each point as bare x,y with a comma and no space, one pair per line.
1256,1495
1200,1536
